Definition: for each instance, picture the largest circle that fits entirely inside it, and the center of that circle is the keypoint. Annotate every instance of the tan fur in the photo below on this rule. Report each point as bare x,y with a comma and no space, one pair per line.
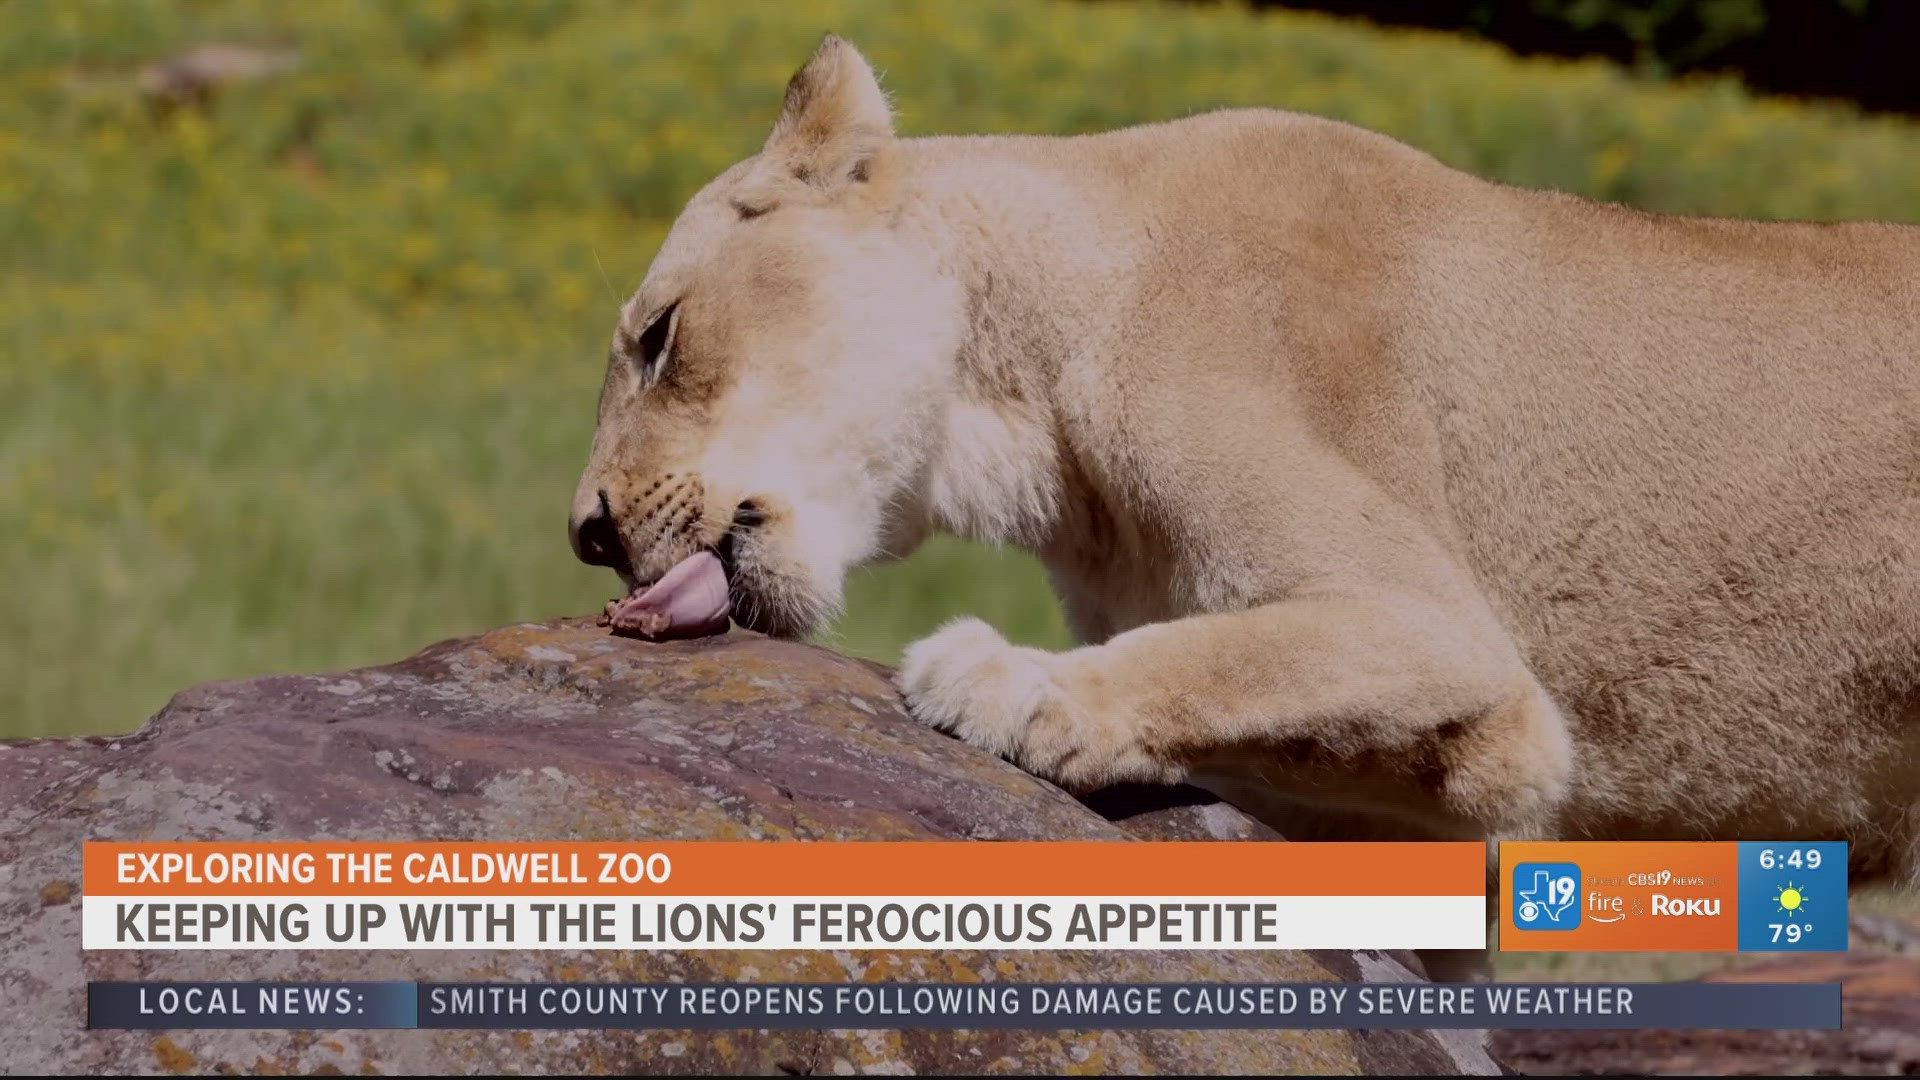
1384,497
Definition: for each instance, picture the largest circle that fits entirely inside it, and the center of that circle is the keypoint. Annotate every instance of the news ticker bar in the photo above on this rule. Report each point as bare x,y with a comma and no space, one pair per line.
1047,1006
1563,896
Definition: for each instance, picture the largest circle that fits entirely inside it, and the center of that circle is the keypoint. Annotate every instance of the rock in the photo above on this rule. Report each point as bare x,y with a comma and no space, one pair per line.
1879,1036
1883,933
561,731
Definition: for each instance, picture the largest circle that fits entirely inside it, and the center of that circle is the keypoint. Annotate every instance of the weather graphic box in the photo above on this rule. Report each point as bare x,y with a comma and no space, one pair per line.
1793,897
1673,897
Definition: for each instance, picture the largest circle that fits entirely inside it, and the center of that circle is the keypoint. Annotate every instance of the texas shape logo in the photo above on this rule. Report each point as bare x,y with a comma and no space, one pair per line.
1546,895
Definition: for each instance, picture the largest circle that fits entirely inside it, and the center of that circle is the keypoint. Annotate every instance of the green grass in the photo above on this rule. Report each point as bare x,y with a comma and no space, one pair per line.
304,381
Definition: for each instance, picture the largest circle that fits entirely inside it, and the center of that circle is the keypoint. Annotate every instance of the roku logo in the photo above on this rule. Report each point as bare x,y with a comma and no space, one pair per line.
1666,905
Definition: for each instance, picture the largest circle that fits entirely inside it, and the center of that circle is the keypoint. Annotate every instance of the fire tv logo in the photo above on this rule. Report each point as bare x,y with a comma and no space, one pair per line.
1546,896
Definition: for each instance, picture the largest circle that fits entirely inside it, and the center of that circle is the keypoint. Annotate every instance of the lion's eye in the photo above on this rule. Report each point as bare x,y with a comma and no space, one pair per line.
650,349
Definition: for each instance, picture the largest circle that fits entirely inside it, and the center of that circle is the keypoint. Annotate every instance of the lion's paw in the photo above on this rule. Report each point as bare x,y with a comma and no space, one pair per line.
968,680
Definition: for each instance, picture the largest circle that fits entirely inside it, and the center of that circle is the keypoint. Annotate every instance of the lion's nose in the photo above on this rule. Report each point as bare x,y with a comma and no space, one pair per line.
595,539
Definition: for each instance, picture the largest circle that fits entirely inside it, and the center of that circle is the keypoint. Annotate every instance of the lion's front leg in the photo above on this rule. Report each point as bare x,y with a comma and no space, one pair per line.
968,680
1400,707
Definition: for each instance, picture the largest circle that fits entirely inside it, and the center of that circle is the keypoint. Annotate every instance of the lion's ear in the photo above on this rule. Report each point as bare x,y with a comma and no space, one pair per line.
835,126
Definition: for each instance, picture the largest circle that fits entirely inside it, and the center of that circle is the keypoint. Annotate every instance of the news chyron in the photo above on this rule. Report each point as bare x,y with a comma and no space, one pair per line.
946,898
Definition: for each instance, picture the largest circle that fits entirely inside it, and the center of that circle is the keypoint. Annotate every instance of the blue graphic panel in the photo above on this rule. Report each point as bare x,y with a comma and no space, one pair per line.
1546,895
1793,897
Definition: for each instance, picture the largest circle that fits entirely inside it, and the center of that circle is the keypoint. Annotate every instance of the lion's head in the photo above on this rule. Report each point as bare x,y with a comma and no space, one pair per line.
771,379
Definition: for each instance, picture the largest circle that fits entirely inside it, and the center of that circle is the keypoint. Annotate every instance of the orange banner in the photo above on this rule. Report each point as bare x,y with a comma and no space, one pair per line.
784,868
1619,897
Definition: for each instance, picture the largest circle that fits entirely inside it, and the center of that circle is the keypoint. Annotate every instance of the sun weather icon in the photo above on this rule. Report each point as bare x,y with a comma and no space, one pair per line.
1791,900
1546,896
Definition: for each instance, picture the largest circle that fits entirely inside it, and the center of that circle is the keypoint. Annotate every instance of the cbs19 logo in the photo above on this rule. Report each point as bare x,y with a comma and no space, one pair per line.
1546,895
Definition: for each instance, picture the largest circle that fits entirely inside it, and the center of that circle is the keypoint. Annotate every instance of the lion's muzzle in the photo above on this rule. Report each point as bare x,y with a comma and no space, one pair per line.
655,537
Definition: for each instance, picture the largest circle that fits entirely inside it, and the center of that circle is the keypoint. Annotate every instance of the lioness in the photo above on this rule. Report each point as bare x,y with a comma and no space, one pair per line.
1386,500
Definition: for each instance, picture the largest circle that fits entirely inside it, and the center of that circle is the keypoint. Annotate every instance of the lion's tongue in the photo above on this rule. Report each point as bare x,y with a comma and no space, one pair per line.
689,601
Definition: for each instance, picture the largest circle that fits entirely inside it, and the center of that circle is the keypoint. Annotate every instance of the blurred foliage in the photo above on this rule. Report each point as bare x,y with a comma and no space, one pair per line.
1857,49
303,379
